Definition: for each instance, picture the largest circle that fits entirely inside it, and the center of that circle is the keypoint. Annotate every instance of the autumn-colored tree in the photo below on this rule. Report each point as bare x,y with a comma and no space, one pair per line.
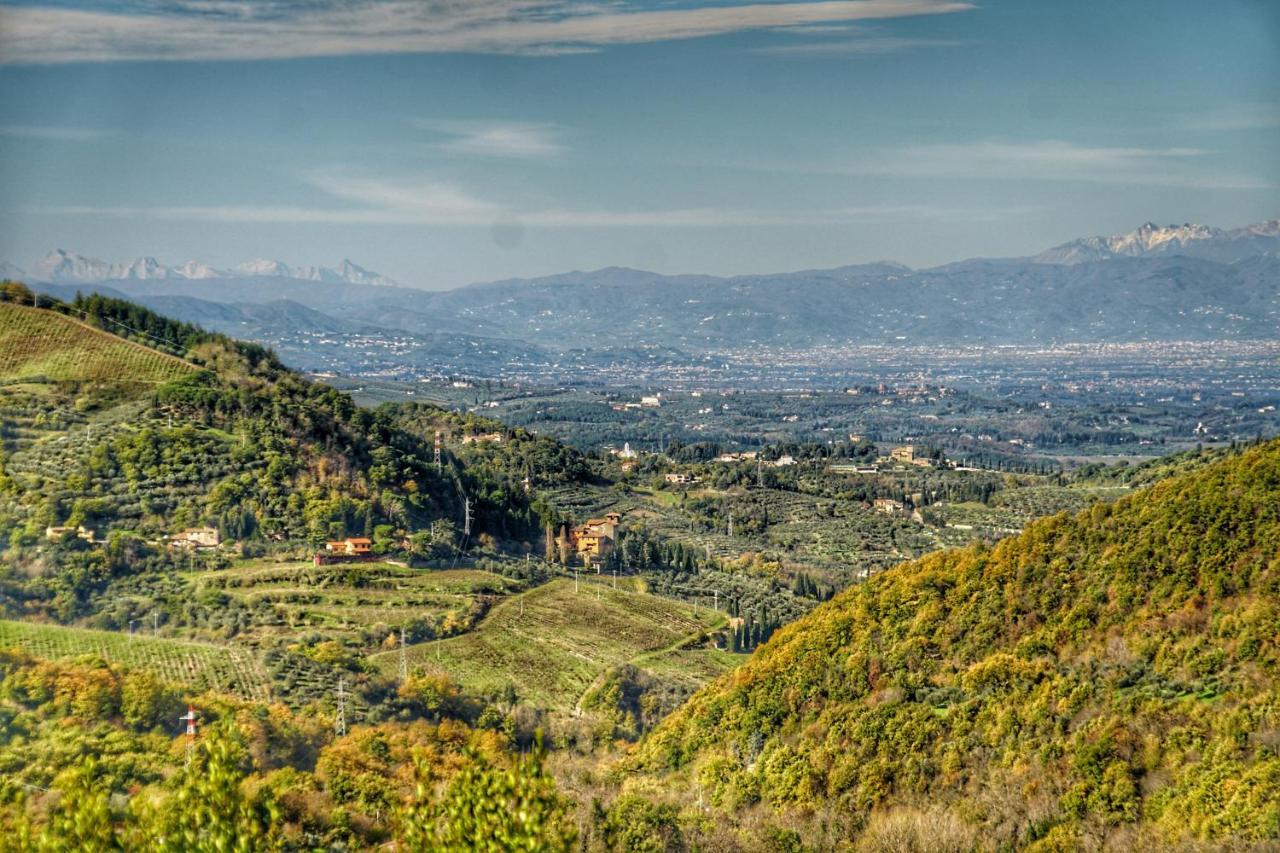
210,812
487,807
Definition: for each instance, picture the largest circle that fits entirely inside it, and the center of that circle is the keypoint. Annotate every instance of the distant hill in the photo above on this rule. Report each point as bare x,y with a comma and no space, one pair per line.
1111,677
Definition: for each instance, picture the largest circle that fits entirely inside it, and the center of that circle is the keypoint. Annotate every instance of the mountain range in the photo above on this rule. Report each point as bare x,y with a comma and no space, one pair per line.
1197,241
1177,282
62,267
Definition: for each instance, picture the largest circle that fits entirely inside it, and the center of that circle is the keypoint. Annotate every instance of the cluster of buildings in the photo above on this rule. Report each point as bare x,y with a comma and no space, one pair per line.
593,540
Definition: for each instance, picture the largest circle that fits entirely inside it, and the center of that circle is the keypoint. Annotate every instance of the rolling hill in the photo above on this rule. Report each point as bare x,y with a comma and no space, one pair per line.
1106,677
552,642
44,345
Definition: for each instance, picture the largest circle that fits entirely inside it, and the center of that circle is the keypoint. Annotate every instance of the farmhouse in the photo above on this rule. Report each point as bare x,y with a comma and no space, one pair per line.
483,438
196,539
592,540
680,478
351,549
745,456
888,506
906,455
55,533
355,546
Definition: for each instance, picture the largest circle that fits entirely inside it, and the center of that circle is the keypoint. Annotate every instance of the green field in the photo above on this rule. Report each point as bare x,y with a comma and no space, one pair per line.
551,643
37,344
225,669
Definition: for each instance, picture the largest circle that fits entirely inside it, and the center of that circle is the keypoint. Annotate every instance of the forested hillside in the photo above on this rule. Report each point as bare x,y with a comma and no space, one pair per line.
132,444
1109,676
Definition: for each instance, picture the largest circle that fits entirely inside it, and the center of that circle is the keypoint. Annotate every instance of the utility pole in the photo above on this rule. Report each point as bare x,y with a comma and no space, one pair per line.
716,601
155,623
615,578
466,523
340,720
575,580
404,659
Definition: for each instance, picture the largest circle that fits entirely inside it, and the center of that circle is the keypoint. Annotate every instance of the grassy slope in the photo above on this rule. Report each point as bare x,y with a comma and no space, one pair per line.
1114,667
37,343
551,643
226,669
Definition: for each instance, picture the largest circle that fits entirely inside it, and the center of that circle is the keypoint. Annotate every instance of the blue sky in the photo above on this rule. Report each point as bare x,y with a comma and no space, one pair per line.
443,143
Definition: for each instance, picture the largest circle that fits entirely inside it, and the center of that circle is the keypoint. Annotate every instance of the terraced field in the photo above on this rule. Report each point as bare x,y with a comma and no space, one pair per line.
342,599
551,643
204,666
37,344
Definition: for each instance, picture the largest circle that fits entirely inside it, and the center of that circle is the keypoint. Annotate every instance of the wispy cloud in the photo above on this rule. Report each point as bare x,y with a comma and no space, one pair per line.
845,40
518,140
1038,160
283,29
422,201
858,46
58,134
1246,116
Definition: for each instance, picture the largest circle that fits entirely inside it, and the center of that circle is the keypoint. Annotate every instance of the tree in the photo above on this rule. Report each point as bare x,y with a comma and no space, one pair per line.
491,808
210,812
82,818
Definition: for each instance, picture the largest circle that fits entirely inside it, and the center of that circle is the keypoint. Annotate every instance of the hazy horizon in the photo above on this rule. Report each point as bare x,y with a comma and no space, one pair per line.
443,146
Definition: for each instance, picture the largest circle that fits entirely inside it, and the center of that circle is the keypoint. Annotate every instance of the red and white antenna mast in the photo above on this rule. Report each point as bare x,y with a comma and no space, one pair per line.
192,722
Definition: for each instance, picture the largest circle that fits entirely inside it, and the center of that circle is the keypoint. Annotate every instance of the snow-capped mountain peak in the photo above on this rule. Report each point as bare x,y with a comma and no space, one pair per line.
356,274
198,270
61,266
145,269
264,267
1150,236
1152,239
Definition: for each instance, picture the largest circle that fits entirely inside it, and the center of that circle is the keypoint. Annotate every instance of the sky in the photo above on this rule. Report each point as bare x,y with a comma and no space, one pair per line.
443,142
